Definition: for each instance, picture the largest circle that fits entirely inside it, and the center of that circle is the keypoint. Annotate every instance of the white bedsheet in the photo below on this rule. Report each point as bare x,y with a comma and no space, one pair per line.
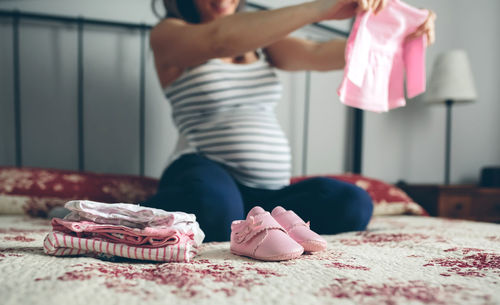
399,260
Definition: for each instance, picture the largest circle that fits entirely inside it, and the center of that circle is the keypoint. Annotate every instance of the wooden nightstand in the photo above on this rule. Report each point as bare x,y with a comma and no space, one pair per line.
457,201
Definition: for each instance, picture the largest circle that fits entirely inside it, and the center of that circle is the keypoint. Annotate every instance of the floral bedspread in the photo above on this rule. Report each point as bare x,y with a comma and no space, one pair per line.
398,260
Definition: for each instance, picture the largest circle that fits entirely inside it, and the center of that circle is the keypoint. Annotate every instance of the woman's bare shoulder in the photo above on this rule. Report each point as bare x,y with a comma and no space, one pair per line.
159,40
163,29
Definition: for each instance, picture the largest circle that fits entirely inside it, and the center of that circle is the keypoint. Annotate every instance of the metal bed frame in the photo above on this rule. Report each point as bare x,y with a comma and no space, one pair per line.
356,126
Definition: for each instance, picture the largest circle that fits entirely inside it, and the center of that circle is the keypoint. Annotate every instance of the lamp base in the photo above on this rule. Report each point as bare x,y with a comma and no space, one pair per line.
447,157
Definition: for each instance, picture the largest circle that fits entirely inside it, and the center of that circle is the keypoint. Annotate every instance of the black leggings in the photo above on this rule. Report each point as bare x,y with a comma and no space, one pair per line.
195,184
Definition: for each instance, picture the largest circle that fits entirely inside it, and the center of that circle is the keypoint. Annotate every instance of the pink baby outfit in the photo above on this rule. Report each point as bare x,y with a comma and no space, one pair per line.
149,237
377,56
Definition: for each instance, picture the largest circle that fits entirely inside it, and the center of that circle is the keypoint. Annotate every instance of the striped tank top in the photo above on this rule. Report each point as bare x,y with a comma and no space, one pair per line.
225,112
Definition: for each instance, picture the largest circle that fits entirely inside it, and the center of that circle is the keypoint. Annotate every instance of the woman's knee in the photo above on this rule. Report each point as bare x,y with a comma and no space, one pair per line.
200,182
349,207
358,207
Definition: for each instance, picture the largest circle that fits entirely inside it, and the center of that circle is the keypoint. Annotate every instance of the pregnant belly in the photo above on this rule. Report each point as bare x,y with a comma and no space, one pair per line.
254,154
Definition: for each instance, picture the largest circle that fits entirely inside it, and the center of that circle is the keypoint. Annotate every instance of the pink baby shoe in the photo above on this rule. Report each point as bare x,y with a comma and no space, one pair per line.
261,237
299,230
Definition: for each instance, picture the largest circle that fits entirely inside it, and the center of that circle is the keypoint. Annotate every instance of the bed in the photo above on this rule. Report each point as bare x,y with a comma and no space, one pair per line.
398,260
404,257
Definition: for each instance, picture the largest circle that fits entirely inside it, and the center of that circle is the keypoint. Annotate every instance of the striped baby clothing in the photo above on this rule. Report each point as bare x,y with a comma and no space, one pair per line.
225,112
62,244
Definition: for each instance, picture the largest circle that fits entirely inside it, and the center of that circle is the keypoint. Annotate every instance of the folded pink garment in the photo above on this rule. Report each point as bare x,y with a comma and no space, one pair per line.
147,237
378,55
132,216
61,244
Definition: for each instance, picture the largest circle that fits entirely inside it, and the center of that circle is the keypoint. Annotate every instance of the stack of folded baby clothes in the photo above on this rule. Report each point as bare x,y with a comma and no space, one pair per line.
125,230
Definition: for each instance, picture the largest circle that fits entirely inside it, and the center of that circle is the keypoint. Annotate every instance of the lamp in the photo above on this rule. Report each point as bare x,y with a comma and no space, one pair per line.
451,83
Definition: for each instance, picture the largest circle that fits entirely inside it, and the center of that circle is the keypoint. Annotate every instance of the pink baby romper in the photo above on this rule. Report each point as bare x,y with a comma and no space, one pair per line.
377,56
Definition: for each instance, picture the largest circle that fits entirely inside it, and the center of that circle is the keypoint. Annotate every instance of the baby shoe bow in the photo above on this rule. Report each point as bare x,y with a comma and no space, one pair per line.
249,226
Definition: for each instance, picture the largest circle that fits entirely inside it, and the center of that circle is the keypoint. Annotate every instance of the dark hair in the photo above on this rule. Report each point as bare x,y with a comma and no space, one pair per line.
185,9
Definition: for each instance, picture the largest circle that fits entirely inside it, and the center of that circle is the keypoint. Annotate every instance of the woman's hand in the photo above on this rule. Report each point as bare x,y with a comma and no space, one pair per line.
343,9
427,28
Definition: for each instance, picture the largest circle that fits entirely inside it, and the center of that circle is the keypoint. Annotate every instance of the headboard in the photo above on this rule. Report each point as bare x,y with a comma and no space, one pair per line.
81,25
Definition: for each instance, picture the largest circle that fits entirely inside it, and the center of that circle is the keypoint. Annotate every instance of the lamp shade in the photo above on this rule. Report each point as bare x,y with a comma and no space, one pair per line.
451,79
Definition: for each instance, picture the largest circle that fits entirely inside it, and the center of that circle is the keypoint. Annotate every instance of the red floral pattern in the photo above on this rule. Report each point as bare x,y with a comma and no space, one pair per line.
185,280
387,199
398,260
383,239
468,262
402,292
36,191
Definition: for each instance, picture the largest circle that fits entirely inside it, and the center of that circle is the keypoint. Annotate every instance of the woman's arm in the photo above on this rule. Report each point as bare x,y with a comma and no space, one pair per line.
294,54
180,44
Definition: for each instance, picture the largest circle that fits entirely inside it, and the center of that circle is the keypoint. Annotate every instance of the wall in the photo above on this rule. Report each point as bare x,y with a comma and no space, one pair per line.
408,143
48,75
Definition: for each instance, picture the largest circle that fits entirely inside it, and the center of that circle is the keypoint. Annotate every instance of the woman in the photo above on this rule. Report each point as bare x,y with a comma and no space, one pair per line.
216,66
